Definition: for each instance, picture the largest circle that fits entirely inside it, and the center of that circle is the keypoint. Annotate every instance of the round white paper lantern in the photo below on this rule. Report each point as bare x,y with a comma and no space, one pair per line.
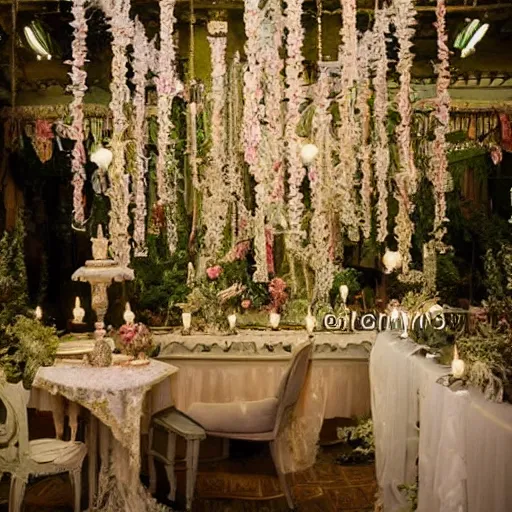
308,153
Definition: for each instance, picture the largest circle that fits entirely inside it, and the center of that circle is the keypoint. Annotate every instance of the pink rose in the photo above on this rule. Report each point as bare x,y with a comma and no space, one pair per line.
214,272
246,303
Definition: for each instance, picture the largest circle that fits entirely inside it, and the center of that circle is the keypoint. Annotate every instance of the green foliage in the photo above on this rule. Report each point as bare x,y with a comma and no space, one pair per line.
349,277
411,495
488,358
361,439
13,274
160,283
24,347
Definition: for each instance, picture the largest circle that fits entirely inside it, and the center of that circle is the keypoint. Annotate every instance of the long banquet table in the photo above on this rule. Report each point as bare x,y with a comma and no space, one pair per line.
250,365
456,443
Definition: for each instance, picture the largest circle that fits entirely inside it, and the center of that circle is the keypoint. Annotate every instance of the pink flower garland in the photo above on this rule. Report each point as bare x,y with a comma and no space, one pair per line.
442,114
295,96
78,87
253,95
380,146
407,177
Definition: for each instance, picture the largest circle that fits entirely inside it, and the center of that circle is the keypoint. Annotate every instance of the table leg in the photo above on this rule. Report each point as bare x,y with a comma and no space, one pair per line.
73,413
169,468
92,452
58,415
191,469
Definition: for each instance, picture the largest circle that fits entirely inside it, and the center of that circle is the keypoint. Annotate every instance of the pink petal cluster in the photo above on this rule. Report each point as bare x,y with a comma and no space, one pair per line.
246,303
44,129
214,272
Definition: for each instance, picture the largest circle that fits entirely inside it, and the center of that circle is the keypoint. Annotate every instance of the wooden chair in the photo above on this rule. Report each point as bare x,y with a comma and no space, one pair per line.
23,458
174,423
260,420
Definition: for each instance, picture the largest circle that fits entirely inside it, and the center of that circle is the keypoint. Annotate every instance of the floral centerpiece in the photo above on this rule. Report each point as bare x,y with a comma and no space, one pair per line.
134,340
278,298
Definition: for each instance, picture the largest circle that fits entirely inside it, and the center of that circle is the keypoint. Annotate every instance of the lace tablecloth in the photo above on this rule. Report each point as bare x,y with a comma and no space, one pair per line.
116,396
463,444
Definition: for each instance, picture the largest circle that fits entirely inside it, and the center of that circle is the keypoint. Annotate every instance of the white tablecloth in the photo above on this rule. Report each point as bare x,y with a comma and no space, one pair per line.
336,387
463,446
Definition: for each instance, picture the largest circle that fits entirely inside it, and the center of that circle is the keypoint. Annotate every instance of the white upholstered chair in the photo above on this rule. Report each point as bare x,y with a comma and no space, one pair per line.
23,458
259,420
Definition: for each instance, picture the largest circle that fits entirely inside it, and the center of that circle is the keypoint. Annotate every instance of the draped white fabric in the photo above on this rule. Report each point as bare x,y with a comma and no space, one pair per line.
335,388
463,446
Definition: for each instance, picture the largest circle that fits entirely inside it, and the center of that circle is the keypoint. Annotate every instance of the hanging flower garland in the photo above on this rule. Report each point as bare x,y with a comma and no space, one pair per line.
364,151
143,61
322,180
78,87
168,87
407,176
121,27
253,95
380,144
215,200
239,212
439,162
348,131
295,97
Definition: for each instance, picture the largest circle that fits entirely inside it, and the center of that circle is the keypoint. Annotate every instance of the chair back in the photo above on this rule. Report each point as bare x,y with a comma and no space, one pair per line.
14,445
293,382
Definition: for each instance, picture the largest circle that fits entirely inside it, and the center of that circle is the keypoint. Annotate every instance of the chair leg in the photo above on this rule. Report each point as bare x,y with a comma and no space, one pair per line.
169,468
151,463
282,477
16,493
191,469
76,482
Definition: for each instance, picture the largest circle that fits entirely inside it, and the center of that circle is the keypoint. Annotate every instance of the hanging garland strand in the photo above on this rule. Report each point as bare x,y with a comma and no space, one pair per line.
78,87
348,128
380,144
143,60
406,179
439,165
252,136
121,27
294,97
215,197
168,87
364,150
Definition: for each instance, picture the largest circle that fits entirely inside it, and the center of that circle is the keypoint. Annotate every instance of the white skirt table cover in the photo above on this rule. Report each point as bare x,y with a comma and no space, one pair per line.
463,446
337,386
118,397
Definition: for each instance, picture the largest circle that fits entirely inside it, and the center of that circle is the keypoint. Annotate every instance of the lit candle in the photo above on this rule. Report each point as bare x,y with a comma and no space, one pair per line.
39,313
457,364
310,322
129,315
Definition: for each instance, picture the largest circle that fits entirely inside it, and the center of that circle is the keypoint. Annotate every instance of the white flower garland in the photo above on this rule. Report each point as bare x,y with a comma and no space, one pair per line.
78,87
406,179
348,130
364,151
295,96
168,87
143,60
439,162
380,145
215,191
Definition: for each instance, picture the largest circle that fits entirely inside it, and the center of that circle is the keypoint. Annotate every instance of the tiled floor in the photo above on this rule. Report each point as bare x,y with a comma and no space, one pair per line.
246,482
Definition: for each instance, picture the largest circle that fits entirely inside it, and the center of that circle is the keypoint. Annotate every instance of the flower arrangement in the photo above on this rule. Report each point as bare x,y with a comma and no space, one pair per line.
278,294
135,339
